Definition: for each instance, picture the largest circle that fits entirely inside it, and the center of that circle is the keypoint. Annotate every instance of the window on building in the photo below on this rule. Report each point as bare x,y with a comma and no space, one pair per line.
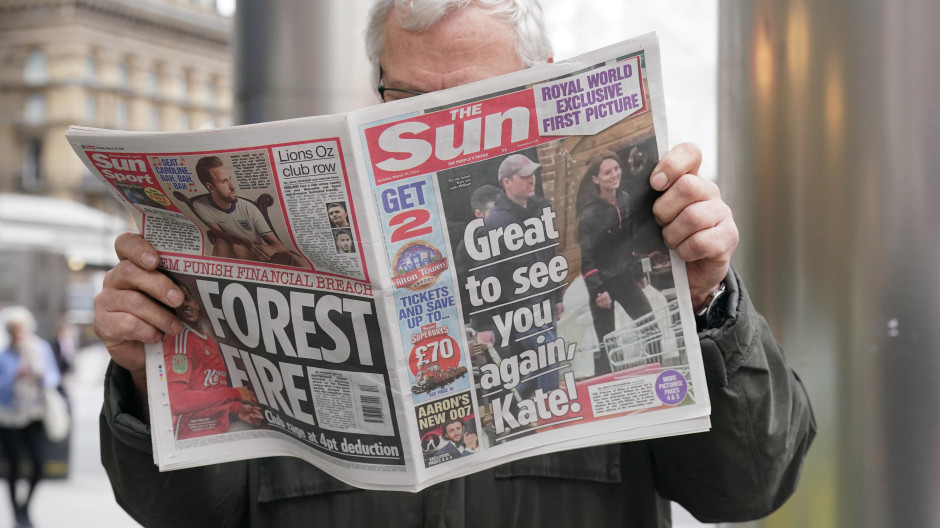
182,86
153,82
121,114
91,68
91,109
34,112
211,92
30,176
122,75
36,68
154,118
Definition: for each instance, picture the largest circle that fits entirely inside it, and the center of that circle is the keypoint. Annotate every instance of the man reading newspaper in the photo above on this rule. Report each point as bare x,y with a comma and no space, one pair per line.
744,468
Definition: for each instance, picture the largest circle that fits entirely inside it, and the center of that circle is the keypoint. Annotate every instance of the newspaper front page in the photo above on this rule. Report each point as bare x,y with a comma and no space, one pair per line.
422,289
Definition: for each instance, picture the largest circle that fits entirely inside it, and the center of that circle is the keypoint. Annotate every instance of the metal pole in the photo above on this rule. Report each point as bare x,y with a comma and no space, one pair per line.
299,58
829,128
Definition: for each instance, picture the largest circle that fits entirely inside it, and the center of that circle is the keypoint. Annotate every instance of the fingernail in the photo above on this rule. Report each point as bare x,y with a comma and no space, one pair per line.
174,297
659,180
149,259
176,327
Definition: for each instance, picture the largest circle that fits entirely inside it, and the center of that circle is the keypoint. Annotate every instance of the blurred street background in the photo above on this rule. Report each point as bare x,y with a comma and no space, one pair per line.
83,498
819,120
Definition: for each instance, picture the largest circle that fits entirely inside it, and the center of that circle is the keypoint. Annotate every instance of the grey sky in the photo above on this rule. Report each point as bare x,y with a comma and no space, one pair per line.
688,39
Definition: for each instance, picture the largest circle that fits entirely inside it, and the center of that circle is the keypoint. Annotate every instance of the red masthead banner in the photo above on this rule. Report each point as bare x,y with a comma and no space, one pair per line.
452,137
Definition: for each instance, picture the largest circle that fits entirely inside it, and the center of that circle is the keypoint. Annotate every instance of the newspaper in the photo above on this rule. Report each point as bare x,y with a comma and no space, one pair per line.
422,289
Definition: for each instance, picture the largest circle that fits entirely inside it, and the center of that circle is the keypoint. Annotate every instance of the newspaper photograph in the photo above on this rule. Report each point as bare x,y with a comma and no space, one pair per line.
531,209
422,289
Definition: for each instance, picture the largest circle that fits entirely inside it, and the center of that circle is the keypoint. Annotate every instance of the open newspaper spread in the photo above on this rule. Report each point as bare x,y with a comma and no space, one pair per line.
422,289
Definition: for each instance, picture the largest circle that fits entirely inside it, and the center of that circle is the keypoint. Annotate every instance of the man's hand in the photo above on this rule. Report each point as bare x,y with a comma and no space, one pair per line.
470,441
486,337
603,300
258,251
225,246
696,222
128,312
250,414
247,395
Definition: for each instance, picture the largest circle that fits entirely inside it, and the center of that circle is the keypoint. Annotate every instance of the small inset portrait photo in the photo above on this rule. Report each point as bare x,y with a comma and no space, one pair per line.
344,241
457,439
137,195
339,217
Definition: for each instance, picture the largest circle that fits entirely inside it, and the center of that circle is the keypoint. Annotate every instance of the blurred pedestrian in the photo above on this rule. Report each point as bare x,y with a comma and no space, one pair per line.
27,369
63,346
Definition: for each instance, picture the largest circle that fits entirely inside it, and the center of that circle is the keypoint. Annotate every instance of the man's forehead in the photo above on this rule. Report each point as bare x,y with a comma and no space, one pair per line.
219,172
522,175
464,46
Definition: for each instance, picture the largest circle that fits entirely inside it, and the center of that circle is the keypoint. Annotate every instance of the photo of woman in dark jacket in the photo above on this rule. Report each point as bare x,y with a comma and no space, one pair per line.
606,236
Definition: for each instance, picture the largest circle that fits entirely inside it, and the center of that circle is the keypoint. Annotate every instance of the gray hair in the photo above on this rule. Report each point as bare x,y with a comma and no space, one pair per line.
524,16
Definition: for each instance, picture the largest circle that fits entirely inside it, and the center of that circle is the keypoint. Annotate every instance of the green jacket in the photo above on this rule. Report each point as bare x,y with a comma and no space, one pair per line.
744,468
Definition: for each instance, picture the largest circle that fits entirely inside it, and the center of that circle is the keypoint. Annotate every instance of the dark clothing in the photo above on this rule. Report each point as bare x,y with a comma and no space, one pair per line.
744,468
608,263
32,439
463,264
605,236
505,212
451,450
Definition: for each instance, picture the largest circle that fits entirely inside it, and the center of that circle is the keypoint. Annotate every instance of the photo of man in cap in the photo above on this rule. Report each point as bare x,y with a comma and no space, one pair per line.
517,204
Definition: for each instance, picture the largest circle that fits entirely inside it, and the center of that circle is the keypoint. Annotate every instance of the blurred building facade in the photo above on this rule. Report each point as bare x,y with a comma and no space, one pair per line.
144,65
137,65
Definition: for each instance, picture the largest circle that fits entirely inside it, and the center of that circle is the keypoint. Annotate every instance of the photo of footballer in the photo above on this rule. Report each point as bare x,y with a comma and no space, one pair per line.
339,217
201,400
344,241
238,228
